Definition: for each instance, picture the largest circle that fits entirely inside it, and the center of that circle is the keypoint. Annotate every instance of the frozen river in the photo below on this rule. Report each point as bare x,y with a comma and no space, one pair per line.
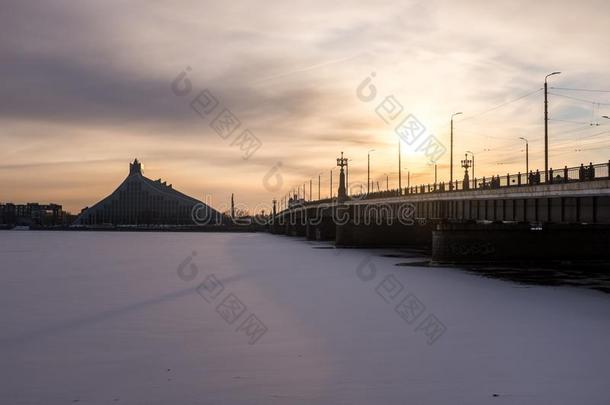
193,318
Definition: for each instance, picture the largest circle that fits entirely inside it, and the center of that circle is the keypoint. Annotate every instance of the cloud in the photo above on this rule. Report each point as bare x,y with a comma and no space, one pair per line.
89,82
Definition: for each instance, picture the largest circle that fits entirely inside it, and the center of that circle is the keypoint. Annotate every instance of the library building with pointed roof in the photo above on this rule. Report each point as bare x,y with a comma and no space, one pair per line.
139,200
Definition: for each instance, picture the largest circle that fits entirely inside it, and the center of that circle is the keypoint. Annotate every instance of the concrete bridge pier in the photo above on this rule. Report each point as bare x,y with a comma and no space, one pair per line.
277,226
384,235
375,227
326,230
296,229
341,216
519,242
310,227
296,223
322,229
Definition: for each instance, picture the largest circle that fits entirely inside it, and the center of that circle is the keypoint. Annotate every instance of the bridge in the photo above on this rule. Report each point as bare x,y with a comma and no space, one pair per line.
560,214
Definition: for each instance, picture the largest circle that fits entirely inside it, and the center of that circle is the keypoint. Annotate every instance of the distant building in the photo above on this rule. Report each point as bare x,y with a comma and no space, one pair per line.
141,201
32,214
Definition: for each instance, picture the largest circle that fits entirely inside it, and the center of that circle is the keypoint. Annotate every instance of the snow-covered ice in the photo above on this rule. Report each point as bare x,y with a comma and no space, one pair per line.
107,317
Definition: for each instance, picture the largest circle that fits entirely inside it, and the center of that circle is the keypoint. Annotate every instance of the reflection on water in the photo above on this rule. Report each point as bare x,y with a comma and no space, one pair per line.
594,275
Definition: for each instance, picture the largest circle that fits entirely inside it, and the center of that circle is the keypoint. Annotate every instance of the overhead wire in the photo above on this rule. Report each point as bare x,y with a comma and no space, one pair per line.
470,117
579,99
573,89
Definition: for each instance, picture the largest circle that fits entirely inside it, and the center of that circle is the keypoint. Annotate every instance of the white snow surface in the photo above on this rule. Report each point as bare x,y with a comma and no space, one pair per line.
104,318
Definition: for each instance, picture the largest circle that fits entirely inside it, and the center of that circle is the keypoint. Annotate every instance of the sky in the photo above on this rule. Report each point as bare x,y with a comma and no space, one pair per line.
89,86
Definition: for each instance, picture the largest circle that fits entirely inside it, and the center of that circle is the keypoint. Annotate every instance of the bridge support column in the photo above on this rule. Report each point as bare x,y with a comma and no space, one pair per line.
277,226
297,228
369,229
323,230
295,224
342,216
326,230
384,235
519,242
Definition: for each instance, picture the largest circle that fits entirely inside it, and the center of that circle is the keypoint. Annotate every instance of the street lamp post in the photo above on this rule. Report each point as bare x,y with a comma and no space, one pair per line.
310,194
347,176
399,171
473,178
368,171
527,162
319,179
451,153
546,127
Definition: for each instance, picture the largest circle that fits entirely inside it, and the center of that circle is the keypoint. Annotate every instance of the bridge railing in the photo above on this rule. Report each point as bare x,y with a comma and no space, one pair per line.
556,176
566,174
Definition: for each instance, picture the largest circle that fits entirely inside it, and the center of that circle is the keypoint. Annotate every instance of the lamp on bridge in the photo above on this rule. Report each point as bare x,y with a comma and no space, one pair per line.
319,182
451,153
466,163
347,176
527,158
341,162
472,154
368,170
546,126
